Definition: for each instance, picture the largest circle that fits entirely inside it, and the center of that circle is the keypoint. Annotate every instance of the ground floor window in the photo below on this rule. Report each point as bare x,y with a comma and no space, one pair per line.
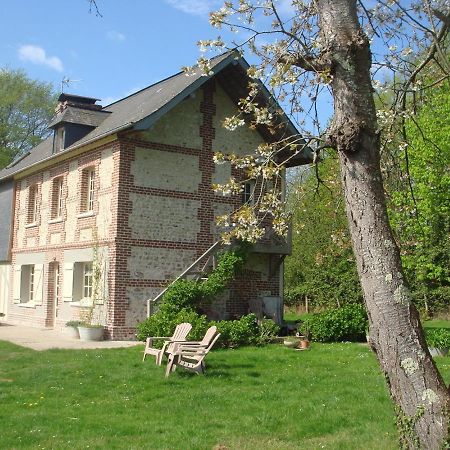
28,284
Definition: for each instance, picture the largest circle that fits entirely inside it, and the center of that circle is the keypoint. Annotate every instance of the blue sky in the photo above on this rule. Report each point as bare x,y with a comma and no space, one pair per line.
134,44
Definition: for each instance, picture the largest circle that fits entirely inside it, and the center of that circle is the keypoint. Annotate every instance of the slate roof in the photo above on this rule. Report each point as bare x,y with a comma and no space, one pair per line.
80,116
139,110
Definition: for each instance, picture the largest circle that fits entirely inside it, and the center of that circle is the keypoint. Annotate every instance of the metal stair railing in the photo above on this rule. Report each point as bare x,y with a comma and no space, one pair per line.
151,302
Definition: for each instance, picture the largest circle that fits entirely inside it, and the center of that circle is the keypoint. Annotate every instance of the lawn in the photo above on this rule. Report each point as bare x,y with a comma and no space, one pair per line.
251,398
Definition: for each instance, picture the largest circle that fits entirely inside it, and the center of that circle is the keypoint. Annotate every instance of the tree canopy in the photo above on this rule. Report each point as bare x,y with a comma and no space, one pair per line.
26,108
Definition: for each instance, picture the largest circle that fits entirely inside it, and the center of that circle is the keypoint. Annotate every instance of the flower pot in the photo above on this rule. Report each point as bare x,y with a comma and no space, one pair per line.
91,333
72,332
304,344
434,351
291,343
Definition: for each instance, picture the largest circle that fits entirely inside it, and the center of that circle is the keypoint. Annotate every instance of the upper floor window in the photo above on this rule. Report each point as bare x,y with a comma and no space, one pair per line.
32,204
248,192
57,197
88,189
60,139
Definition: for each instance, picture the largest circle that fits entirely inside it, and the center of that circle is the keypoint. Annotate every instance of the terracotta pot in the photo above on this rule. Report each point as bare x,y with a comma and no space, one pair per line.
304,344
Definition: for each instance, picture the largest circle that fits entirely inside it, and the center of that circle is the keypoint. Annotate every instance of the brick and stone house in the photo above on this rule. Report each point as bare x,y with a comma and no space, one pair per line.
127,188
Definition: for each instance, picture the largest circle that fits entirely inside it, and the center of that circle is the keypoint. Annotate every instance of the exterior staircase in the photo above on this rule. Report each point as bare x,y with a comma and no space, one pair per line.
196,271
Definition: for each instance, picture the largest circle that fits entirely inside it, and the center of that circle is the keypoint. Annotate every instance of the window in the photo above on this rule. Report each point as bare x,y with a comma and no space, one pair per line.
31,285
27,288
87,280
88,190
57,198
32,204
60,139
248,192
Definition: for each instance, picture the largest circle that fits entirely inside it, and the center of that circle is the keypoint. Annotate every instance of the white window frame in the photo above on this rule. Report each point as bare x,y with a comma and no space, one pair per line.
90,190
248,193
32,204
88,276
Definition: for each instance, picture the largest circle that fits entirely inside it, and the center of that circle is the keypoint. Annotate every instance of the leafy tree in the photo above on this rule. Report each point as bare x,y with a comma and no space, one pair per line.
419,201
325,46
322,266
26,108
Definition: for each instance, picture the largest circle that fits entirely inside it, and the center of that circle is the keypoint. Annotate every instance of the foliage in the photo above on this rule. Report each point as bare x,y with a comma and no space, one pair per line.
73,323
184,298
438,337
246,331
322,266
26,108
163,323
348,323
422,223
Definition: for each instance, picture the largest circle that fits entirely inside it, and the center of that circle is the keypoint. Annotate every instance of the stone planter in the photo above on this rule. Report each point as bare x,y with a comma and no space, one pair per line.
438,351
291,343
72,332
91,333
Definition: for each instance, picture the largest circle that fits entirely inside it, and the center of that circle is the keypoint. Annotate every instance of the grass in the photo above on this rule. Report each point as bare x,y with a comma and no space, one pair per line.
251,398
437,324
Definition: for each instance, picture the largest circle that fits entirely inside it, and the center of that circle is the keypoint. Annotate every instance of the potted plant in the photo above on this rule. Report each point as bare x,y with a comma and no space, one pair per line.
72,329
438,340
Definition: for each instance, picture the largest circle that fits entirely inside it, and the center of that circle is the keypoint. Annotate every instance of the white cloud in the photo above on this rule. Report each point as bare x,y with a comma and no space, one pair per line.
115,36
37,55
195,7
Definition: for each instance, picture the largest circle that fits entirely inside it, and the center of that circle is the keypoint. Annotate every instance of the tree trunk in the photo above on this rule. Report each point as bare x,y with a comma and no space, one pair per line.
396,336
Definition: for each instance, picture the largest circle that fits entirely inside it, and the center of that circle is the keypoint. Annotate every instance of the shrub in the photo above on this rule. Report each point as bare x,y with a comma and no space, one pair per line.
163,323
438,337
235,333
268,331
348,323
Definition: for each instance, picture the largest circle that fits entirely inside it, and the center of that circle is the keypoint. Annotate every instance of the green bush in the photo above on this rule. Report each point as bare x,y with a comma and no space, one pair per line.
163,323
235,333
268,331
438,337
348,323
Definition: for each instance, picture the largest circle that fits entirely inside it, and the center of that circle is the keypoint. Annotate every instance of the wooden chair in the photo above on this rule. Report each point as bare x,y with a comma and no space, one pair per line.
191,354
180,333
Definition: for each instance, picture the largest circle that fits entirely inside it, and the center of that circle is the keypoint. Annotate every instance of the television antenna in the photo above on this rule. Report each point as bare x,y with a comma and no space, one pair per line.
66,81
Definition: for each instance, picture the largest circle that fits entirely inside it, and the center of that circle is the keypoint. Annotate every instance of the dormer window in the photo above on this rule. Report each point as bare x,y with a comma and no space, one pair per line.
60,139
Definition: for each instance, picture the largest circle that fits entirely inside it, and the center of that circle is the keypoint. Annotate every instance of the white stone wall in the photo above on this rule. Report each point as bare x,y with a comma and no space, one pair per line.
241,141
180,126
166,170
149,263
163,218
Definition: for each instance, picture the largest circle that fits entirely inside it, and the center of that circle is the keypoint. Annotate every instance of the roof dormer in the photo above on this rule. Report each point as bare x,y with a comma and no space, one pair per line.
76,116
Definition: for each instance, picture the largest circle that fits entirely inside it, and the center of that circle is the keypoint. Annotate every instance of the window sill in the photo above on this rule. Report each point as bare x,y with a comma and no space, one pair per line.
57,220
86,214
31,225
27,305
83,303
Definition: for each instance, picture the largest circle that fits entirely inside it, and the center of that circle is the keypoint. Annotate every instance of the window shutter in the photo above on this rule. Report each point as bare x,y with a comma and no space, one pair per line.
17,280
67,290
39,283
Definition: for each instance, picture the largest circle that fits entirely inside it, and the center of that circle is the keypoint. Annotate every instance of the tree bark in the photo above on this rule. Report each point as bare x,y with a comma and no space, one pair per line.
396,336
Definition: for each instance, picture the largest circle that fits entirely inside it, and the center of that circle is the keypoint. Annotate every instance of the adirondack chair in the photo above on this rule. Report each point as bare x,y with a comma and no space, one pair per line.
179,335
190,354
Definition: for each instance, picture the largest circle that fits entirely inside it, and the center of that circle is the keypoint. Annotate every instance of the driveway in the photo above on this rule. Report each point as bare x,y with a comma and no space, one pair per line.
46,338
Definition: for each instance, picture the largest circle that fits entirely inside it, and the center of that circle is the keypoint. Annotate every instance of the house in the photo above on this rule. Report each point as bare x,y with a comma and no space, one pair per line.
125,191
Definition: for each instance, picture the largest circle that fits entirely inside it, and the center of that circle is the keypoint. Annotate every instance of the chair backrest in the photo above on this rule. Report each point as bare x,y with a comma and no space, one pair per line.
209,335
181,331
